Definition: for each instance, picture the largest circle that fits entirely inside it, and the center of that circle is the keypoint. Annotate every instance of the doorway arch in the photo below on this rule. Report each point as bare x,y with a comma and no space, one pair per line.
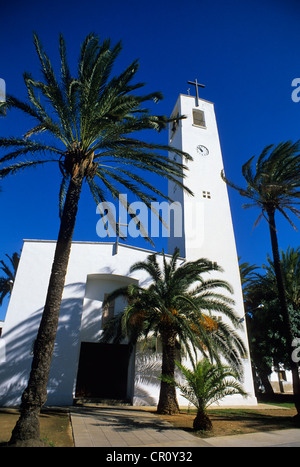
105,370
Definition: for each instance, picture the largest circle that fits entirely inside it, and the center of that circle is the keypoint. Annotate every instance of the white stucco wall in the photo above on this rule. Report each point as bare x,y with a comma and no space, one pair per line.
78,320
208,228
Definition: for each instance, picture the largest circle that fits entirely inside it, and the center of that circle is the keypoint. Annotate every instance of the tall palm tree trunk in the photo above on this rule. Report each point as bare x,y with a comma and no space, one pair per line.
284,309
167,403
27,429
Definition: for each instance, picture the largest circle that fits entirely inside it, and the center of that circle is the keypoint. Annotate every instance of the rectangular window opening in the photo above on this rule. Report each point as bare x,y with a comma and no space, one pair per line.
199,118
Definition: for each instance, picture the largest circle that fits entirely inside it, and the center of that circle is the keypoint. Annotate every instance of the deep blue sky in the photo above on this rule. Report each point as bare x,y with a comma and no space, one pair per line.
245,52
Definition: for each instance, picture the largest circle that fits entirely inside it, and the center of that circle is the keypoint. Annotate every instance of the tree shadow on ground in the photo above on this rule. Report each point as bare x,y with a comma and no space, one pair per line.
228,422
125,420
252,419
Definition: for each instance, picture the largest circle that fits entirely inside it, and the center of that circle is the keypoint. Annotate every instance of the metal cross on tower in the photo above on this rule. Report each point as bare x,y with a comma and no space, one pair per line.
196,84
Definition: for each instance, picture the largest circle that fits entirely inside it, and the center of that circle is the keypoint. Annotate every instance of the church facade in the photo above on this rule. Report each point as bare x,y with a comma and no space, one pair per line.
81,366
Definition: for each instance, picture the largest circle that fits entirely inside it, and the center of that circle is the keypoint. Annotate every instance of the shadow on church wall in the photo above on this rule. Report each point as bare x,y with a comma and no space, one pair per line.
147,372
19,341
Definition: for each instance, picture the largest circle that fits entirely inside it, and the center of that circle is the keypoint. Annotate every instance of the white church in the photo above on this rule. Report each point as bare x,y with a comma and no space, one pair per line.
83,368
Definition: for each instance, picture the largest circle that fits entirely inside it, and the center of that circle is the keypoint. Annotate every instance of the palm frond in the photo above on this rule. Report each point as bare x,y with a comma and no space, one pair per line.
275,182
179,298
19,166
7,281
26,147
207,383
94,118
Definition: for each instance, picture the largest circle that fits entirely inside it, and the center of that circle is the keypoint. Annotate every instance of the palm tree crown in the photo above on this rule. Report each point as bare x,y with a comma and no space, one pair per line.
204,384
179,306
91,117
290,267
263,286
275,182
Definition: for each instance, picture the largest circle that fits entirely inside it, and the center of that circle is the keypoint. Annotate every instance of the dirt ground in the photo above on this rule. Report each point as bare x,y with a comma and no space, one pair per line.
55,426
237,421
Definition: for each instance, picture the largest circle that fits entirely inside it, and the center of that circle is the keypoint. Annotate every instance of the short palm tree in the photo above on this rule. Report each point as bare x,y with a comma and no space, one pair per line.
178,307
7,281
86,125
273,186
205,384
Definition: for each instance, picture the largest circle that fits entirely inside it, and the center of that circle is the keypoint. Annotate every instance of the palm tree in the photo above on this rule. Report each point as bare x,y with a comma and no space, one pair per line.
268,346
246,273
7,281
205,384
290,268
275,186
264,291
90,120
178,308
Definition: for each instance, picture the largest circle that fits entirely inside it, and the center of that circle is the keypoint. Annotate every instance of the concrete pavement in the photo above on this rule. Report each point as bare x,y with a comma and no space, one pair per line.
278,438
115,427
109,426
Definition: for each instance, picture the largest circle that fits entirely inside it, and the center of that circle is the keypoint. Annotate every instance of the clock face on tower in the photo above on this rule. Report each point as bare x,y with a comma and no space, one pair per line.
202,150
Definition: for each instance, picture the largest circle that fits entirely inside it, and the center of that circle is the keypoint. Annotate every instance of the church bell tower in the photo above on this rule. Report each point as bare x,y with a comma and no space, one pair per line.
207,226
207,229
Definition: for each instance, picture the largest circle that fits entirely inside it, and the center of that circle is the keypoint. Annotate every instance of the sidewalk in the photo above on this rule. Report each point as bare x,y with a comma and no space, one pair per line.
278,438
134,427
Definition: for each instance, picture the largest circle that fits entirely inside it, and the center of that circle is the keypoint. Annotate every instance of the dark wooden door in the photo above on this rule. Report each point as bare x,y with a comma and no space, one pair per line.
103,371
